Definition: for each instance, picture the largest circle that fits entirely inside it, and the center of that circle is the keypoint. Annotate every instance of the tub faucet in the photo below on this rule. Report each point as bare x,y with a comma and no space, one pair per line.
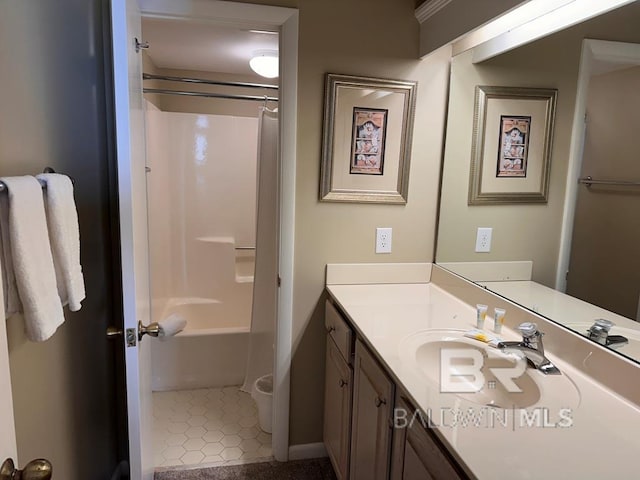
532,348
599,332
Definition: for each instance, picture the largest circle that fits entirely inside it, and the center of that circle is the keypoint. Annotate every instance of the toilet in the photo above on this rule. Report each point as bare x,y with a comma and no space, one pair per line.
262,393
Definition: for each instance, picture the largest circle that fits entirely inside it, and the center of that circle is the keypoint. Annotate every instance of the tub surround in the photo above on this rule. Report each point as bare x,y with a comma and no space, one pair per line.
606,412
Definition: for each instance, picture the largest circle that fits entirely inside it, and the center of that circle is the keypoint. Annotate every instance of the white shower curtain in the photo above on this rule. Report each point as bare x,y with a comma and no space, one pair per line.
265,287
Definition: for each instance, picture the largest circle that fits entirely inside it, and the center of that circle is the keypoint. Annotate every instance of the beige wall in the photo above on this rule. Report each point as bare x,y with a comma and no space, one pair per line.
521,232
330,232
604,268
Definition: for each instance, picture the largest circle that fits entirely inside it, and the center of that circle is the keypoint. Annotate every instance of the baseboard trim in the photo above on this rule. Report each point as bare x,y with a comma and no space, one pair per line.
307,450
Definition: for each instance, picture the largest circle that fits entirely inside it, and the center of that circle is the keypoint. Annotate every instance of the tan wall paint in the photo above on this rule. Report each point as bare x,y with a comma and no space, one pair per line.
329,232
604,268
521,232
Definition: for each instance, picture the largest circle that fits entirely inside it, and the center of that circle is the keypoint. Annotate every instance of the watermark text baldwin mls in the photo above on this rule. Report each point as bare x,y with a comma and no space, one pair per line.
484,417
464,371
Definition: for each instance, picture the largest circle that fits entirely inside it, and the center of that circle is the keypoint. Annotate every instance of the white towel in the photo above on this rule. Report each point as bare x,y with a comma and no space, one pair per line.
171,325
10,294
64,233
28,242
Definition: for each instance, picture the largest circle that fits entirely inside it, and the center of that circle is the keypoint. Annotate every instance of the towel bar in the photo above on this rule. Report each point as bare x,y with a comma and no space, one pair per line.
3,187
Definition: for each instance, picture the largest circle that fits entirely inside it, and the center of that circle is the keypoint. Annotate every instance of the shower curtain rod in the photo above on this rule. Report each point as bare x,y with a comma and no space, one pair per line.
149,76
255,98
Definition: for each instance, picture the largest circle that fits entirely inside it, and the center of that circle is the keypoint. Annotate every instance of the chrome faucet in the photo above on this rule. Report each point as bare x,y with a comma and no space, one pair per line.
532,348
599,332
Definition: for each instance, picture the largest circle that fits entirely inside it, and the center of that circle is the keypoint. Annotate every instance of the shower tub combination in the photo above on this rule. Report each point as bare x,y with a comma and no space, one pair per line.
210,352
213,348
202,252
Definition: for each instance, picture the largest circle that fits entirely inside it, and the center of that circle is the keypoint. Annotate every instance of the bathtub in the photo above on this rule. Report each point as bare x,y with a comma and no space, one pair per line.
210,352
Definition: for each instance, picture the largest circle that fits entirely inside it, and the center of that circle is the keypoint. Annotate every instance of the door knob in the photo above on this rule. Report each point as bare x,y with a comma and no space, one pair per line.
39,469
114,333
153,330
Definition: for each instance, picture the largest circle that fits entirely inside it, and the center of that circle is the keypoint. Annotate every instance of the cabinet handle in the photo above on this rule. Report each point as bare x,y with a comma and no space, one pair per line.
342,383
331,329
380,402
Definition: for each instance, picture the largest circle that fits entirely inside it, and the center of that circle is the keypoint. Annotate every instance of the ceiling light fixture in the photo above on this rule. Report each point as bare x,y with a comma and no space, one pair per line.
265,63
266,32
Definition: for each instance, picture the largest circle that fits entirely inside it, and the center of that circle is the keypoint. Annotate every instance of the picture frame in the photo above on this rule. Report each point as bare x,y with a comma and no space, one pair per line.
511,147
367,134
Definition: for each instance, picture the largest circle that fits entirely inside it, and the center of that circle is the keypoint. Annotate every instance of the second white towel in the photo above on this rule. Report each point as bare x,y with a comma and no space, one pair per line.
62,222
28,257
171,325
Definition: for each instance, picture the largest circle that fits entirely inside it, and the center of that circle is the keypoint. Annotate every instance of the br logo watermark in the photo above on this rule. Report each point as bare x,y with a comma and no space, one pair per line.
493,398
461,371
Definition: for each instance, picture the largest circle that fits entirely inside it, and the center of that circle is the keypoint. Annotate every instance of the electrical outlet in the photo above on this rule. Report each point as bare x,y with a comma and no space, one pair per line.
383,240
483,239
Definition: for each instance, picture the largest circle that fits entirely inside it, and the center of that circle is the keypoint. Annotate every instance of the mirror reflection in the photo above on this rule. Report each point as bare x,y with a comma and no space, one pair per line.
572,259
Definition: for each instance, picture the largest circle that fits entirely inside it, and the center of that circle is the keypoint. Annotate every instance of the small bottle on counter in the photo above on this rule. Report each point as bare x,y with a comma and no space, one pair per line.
498,319
481,315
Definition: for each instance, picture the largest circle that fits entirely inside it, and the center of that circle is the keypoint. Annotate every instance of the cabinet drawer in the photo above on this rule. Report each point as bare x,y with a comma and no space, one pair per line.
339,331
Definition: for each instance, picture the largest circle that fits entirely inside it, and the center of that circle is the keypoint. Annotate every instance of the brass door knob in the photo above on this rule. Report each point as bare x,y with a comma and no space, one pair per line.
39,469
113,333
153,330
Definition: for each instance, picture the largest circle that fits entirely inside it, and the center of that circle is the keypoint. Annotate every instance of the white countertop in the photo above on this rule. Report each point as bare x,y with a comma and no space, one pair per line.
602,441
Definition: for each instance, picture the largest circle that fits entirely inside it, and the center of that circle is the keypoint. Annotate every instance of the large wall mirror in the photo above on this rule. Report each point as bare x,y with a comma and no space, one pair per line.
574,257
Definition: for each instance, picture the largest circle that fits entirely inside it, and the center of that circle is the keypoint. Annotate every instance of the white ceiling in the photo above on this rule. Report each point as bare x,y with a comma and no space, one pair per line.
199,46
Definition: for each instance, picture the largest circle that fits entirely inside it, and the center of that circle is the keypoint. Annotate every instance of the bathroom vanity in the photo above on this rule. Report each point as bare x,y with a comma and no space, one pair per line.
387,414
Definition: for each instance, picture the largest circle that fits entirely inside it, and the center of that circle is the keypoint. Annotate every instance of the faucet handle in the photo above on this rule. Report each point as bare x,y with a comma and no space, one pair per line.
528,329
603,324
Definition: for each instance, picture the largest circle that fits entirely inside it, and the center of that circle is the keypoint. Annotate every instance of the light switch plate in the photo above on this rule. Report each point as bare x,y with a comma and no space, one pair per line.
383,239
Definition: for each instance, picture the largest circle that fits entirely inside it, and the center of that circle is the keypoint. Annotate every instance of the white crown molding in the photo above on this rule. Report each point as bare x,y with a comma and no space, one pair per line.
429,9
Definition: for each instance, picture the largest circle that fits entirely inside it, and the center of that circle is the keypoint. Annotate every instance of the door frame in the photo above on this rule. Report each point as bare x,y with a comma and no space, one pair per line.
597,56
285,21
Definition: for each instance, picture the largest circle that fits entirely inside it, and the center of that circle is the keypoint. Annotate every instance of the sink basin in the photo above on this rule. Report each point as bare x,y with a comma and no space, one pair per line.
494,392
459,380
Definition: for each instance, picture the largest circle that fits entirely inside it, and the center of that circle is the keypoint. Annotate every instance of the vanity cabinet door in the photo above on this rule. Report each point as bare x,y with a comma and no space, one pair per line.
372,422
416,454
337,409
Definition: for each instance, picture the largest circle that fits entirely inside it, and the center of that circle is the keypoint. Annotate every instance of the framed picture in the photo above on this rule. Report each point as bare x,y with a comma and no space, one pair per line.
511,149
366,149
367,141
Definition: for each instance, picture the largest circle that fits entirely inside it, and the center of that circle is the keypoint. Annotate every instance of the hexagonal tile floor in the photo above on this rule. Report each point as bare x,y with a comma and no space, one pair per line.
212,426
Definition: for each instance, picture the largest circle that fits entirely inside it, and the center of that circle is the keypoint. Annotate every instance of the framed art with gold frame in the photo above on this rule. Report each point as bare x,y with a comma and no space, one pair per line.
366,149
511,149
